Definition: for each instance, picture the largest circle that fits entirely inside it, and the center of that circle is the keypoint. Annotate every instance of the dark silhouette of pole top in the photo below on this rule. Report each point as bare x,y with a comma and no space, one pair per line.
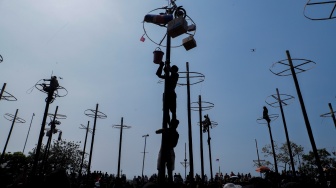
265,115
53,84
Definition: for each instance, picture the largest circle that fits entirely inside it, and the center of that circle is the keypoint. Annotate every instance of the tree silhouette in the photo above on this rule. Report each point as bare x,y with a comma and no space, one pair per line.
309,165
282,153
63,155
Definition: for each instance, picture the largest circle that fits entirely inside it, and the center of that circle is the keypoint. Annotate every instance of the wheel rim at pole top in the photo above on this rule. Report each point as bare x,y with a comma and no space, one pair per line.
100,115
287,71
8,97
320,3
198,75
283,97
273,117
204,108
10,117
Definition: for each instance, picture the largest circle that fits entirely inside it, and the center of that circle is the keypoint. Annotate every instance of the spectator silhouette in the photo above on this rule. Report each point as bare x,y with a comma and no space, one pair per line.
57,179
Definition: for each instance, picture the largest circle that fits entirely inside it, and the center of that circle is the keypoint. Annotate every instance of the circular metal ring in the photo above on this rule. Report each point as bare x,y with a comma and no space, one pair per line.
213,124
9,97
180,12
204,108
312,4
287,72
40,87
58,116
86,128
60,88
100,115
196,75
327,114
51,101
10,117
273,117
283,97
123,126
56,92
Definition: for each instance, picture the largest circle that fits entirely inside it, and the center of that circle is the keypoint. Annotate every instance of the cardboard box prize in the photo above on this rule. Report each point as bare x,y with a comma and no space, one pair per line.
177,27
189,42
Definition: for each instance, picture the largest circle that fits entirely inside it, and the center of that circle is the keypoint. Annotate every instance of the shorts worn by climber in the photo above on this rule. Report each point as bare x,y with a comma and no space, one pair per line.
168,157
171,79
53,84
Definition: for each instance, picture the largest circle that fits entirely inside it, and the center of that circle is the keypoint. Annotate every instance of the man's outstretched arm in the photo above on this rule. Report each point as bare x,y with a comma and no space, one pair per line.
160,131
159,70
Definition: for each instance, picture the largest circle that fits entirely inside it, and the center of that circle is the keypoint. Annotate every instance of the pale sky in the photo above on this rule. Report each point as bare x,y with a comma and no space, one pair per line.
95,47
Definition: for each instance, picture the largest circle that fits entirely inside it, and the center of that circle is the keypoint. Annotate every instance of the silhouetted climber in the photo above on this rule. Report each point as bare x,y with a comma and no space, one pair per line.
59,136
168,156
53,84
53,129
171,79
265,115
206,123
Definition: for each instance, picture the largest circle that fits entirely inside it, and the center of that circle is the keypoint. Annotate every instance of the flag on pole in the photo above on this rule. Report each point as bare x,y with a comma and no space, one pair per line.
142,39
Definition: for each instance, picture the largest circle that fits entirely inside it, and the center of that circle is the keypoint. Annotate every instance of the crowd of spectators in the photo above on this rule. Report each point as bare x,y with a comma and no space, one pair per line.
60,179
267,180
